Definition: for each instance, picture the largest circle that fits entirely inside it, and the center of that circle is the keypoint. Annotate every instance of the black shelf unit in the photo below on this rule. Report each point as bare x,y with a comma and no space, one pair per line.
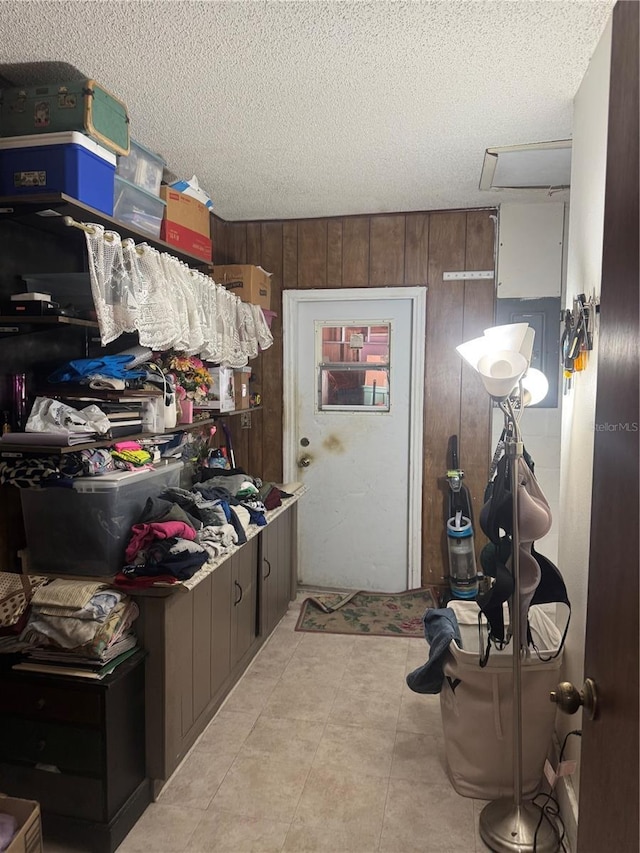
12,325
46,212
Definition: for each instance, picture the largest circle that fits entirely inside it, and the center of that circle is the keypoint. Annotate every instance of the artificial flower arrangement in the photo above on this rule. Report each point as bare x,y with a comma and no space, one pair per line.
190,377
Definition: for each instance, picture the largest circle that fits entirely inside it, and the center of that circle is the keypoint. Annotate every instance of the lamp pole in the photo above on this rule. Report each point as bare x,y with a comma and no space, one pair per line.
516,825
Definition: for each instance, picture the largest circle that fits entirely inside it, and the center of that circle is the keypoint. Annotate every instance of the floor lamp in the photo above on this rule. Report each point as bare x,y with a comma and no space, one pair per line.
501,357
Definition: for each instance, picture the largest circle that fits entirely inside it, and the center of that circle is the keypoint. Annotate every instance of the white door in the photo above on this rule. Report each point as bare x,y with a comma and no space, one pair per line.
354,367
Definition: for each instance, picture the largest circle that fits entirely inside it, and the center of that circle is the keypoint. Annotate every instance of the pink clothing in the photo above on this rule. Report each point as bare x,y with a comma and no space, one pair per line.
143,534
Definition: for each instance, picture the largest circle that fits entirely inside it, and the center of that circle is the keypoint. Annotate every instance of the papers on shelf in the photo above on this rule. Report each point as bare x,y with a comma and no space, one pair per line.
55,439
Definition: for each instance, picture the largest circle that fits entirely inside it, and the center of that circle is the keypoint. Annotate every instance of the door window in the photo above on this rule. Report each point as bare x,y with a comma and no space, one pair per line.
353,366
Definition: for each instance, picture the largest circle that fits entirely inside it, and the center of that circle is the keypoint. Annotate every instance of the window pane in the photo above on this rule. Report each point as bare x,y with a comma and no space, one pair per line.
353,367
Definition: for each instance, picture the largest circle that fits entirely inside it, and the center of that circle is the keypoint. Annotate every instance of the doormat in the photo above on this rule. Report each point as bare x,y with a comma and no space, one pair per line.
378,614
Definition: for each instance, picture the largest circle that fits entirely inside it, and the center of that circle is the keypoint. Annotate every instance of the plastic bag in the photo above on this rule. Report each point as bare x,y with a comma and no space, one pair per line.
193,188
49,415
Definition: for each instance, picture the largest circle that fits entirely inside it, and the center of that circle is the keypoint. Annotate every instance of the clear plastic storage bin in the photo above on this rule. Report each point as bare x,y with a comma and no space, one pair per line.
85,530
142,168
137,208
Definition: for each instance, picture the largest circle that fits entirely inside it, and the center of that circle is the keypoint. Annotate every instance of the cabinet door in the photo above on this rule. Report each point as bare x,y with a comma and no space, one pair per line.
220,625
285,561
268,578
243,614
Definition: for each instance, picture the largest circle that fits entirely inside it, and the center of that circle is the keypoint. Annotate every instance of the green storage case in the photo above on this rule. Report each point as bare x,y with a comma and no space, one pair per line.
79,105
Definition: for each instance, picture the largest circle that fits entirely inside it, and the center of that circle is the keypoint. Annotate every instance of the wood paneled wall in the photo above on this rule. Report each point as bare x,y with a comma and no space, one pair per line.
379,251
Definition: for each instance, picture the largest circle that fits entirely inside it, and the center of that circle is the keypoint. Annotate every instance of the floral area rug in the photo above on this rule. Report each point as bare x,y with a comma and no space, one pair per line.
375,613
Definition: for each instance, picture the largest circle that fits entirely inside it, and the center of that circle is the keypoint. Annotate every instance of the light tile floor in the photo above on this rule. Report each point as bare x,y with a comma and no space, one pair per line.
321,746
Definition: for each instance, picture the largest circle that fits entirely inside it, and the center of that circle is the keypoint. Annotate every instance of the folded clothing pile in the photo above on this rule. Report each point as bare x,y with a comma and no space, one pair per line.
162,546
181,530
79,621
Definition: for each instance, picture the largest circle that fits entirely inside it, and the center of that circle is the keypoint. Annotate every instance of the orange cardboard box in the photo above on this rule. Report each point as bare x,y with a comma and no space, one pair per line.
186,211
249,283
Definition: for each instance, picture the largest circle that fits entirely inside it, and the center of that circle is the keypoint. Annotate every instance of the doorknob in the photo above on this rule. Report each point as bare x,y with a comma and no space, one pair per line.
568,698
304,462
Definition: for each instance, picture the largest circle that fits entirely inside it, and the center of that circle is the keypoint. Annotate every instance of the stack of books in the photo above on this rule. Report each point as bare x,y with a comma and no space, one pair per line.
125,416
55,661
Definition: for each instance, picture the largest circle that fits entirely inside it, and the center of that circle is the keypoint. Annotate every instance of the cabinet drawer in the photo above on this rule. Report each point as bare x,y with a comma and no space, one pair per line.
69,748
40,700
58,793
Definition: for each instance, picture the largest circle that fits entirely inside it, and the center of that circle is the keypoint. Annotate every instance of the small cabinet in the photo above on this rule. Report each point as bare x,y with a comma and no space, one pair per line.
276,570
77,746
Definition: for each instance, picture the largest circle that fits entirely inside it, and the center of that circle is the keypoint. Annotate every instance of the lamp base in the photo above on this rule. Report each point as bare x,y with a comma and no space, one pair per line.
508,828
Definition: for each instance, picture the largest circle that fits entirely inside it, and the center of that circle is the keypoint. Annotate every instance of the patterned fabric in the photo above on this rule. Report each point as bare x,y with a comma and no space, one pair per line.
31,472
15,593
378,614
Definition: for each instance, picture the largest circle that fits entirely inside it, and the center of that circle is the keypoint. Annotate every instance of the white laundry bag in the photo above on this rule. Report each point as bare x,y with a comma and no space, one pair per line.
477,708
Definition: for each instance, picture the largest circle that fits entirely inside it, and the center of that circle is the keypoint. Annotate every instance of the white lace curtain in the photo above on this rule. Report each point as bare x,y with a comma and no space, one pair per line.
171,306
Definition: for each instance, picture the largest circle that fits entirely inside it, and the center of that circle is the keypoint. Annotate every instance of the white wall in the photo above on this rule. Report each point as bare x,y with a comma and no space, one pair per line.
530,265
584,265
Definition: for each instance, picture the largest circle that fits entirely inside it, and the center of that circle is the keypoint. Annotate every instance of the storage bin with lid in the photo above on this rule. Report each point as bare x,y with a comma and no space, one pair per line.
137,208
85,530
82,105
70,163
142,168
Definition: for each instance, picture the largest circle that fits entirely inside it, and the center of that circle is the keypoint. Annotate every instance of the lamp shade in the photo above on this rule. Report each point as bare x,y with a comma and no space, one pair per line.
473,350
508,337
534,387
501,356
526,347
501,371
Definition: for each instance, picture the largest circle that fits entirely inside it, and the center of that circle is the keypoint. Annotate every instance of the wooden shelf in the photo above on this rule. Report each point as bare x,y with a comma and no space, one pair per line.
6,446
45,212
9,322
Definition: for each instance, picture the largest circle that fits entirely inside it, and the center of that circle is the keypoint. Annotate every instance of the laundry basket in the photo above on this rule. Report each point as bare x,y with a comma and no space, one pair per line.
477,708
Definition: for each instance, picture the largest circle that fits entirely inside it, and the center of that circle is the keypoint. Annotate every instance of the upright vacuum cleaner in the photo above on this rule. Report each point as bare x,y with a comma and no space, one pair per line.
463,578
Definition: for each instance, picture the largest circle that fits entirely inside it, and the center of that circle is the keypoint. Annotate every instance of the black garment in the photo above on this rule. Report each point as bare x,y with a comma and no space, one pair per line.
157,509
160,561
191,503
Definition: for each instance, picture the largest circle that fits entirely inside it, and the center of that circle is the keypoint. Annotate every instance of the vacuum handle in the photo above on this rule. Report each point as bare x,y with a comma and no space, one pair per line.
454,452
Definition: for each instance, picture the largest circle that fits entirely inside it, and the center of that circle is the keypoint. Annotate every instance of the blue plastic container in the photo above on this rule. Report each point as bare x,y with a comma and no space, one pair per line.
70,163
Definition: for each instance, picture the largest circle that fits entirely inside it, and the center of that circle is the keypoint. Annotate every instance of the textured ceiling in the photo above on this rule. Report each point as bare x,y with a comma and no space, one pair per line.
301,109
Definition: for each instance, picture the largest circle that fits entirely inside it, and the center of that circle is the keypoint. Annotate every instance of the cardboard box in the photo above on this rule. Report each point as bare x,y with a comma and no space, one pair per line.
28,839
186,240
222,389
251,284
241,378
186,211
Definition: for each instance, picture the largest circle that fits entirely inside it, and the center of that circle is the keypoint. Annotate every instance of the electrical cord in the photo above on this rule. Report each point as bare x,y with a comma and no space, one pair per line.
550,810
577,732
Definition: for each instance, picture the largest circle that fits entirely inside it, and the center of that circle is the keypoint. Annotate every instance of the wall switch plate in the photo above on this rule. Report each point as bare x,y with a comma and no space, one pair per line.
245,420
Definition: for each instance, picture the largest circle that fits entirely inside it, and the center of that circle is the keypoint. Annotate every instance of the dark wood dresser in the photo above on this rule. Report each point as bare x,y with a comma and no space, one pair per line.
78,747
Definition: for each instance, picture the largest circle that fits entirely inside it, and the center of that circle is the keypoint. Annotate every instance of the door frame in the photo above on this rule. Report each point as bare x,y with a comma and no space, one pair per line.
290,347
